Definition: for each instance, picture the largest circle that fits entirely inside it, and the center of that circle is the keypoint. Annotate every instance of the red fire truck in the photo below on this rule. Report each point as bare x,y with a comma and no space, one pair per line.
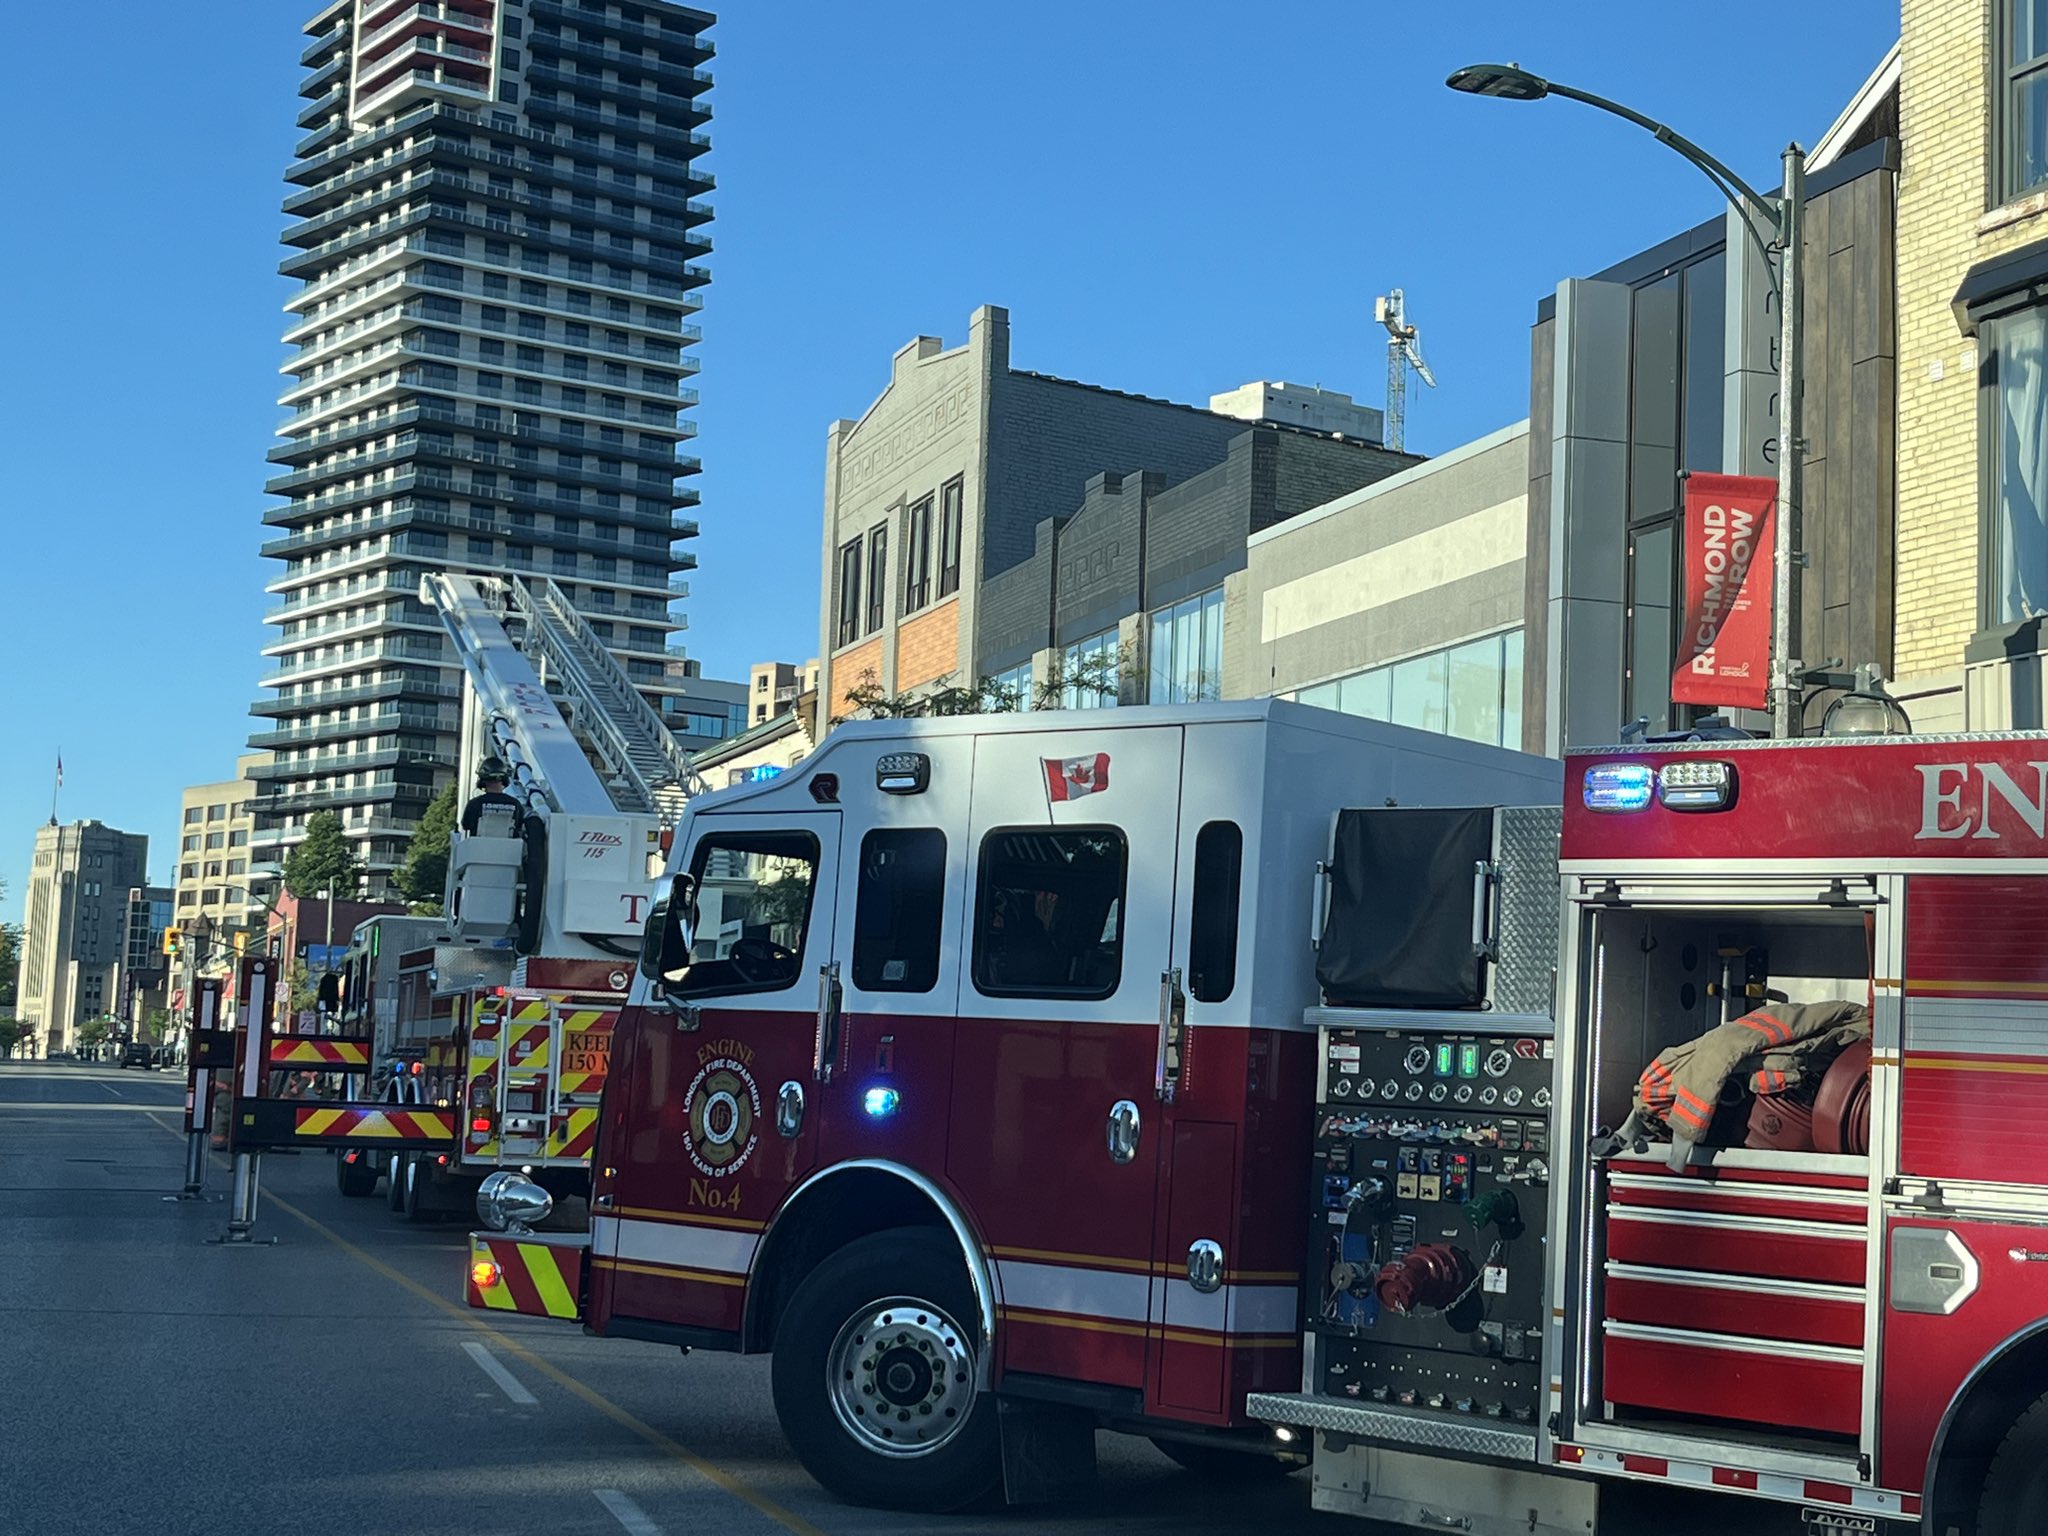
1836,1299
968,1072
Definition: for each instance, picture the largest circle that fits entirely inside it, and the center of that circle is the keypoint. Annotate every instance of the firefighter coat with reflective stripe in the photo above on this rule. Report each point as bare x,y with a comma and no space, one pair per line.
1770,1050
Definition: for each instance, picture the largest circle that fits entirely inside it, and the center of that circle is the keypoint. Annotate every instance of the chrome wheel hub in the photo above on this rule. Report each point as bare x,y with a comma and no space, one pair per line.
901,1377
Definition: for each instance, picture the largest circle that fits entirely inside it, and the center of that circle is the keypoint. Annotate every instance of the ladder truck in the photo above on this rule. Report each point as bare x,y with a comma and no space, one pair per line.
480,1040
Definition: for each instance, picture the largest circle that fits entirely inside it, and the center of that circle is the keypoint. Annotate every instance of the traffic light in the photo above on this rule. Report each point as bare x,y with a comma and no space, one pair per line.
174,943
241,941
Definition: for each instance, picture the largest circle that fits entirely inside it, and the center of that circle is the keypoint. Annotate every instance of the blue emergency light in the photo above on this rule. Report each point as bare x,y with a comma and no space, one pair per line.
1618,787
880,1103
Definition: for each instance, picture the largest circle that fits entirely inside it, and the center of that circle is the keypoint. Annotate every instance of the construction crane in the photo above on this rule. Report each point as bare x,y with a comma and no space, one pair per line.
1403,353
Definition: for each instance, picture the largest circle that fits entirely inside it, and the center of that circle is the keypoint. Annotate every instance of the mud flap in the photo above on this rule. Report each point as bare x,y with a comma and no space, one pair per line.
1048,1451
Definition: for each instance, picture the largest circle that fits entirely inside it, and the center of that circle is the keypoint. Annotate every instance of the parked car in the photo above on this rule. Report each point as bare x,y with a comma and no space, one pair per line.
138,1054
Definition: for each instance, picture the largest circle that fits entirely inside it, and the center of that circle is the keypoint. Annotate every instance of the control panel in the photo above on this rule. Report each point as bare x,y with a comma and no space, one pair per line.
1428,1209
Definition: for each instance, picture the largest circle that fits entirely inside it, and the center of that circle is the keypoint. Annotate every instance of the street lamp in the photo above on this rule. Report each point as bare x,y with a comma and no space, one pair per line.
1784,217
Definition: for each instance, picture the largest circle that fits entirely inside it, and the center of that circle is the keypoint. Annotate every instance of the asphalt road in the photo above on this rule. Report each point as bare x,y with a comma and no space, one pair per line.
336,1383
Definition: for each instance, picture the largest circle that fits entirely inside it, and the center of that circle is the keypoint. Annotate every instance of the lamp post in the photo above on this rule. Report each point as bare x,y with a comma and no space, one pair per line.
1784,219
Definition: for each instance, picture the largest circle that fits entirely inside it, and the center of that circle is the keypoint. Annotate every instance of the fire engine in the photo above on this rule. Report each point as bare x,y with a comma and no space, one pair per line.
1566,1266
968,1070
480,1039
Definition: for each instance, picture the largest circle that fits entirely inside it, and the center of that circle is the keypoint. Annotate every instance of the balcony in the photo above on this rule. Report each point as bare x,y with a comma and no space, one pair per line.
424,16
332,100
677,76
675,106
660,457
688,42
289,803
322,767
371,75
340,730
554,175
417,83
315,84
657,132
322,137
311,701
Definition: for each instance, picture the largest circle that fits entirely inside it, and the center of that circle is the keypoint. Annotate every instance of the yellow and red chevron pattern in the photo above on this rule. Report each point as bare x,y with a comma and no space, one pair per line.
397,1124
527,1045
290,1052
574,1134
526,1275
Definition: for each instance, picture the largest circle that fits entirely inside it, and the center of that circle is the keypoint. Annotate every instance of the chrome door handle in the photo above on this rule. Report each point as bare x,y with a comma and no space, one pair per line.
1205,1266
789,1110
1173,1017
1124,1126
602,1203
825,1048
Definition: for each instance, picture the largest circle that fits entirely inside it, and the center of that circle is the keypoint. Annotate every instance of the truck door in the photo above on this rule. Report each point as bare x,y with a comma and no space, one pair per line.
1056,1130
703,1154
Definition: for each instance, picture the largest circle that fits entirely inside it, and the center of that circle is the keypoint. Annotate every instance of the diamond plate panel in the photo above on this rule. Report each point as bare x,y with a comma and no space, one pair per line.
1461,1436
1525,977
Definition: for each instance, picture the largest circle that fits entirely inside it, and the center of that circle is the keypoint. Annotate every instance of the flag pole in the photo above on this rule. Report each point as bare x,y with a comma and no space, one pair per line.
59,784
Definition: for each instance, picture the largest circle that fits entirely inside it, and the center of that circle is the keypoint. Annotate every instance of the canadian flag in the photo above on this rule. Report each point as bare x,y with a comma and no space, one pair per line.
1069,778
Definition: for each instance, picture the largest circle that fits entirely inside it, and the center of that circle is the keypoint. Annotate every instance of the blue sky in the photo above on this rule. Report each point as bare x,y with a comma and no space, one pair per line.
1170,196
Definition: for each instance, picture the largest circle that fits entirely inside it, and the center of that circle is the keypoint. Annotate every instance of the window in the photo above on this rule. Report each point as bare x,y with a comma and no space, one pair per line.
191,844
917,551
849,592
1187,650
192,814
878,577
1015,686
215,840
1212,937
951,495
1472,691
2022,41
897,910
1088,672
1048,915
761,683
2015,432
754,897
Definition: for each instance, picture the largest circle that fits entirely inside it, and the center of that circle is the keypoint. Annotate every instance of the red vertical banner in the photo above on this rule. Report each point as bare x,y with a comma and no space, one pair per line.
1724,638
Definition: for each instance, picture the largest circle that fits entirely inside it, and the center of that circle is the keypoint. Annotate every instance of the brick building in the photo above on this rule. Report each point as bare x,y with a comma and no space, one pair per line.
982,520
1973,353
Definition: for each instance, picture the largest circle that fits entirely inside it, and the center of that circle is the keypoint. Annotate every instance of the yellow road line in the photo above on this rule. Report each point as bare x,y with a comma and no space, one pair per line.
788,1519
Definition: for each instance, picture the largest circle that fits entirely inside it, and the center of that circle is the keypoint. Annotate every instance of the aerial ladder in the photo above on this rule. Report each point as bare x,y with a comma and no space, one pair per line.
598,778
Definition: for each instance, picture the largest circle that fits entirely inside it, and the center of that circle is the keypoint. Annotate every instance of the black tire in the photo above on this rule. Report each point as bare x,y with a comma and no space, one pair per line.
1228,1463
355,1180
394,1181
918,1273
2016,1488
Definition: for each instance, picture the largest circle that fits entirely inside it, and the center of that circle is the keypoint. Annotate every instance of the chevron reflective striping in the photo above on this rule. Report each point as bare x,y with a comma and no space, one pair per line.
290,1052
574,1134
530,1010
392,1124
535,1279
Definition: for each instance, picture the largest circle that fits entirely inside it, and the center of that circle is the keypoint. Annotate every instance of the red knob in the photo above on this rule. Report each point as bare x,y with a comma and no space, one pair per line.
1429,1276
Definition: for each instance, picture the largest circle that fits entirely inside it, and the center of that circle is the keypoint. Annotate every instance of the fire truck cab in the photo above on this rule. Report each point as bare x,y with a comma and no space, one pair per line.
967,1072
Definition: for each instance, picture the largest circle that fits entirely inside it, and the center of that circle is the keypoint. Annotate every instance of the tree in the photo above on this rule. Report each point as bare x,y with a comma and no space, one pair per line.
1099,676
323,862
10,962
93,1031
12,1033
423,877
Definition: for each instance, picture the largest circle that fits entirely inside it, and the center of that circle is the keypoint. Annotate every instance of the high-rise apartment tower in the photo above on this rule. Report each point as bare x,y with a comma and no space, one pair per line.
495,219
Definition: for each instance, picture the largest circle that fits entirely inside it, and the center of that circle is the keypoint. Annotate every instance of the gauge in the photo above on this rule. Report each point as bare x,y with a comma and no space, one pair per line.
1542,1098
1512,1097
1438,1092
1417,1060
1390,1089
1488,1094
1463,1094
1498,1061
1414,1093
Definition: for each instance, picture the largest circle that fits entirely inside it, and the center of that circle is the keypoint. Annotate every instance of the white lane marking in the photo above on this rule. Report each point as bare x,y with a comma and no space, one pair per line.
626,1512
108,1088
507,1383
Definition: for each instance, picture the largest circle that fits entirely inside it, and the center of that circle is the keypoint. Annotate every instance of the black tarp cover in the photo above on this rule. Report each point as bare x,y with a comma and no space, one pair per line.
1399,929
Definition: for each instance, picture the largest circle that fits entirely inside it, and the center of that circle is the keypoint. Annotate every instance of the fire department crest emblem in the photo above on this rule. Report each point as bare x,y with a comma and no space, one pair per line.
724,1107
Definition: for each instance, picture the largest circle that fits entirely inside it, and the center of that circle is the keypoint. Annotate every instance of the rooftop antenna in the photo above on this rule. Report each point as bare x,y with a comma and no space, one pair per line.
1403,353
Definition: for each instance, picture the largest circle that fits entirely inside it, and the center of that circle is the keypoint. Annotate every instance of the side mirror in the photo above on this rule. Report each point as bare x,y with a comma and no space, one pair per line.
671,931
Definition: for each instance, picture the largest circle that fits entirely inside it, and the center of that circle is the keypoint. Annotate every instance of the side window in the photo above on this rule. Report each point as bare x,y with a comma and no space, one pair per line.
1049,912
897,908
1212,937
754,893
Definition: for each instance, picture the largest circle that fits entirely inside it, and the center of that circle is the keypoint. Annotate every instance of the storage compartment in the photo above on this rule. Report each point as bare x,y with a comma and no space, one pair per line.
1747,1381
1729,1290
